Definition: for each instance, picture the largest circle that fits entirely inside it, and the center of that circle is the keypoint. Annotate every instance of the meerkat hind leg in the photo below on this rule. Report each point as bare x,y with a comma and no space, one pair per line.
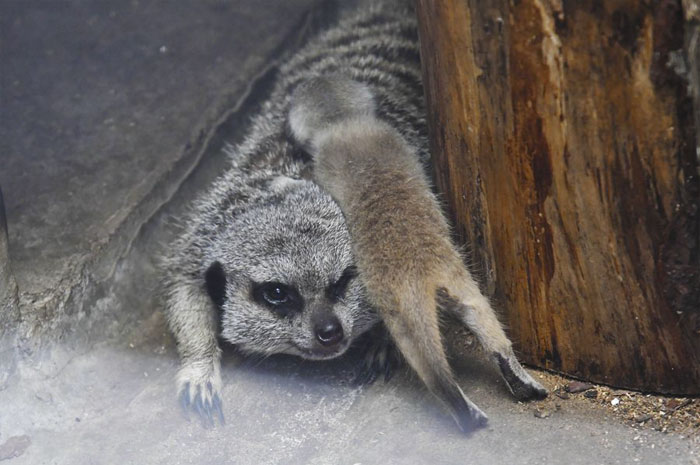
430,363
467,303
413,323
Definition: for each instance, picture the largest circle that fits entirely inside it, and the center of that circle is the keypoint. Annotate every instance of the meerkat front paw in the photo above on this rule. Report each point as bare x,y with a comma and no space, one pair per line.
519,381
381,357
199,390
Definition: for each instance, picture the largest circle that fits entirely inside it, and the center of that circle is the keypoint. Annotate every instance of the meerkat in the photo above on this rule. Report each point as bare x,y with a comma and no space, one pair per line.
268,267
401,240
263,259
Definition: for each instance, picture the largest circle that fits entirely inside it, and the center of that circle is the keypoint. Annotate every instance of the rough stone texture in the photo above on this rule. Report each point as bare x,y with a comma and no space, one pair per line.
8,286
9,312
105,109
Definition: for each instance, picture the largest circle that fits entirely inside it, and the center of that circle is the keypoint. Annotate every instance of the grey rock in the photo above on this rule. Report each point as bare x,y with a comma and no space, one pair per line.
107,107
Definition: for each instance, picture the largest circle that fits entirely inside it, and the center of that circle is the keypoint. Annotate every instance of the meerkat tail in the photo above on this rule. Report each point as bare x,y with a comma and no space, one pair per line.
414,326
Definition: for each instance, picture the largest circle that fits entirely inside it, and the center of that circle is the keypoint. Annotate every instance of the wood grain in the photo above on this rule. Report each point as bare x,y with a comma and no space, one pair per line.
564,144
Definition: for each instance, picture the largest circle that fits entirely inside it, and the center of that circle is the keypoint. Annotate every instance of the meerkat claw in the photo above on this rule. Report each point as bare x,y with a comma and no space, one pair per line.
202,412
381,359
216,407
205,403
185,400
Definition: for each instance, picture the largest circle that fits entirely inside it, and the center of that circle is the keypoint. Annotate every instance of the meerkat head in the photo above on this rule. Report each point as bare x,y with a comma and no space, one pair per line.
284,279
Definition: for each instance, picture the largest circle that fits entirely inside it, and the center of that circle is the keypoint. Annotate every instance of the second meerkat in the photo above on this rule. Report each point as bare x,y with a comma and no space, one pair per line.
400,238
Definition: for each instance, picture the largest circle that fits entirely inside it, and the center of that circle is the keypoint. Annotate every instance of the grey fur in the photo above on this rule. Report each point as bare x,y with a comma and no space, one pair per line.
267,228
262,221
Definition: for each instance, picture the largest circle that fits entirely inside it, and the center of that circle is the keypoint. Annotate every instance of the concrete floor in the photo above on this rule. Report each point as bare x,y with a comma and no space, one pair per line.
115,405
106,135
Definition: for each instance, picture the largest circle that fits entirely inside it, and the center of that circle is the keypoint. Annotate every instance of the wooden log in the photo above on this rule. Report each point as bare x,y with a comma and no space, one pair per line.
563,140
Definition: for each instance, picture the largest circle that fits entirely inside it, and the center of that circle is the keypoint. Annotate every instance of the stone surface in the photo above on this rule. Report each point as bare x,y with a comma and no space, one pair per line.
116,404
14,447
8,287
105,105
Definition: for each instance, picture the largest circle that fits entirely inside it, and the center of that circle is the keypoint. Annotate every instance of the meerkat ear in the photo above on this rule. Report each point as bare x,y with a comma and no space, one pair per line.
322,101
215,281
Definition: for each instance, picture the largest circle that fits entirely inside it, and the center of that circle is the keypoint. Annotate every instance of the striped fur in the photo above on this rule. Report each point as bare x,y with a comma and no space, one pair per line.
264,221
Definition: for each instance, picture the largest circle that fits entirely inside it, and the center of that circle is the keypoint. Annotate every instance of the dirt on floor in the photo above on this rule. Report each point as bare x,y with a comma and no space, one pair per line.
667,414
679,415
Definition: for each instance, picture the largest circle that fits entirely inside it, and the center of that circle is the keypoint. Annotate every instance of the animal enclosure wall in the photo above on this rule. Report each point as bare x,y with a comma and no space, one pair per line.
564,141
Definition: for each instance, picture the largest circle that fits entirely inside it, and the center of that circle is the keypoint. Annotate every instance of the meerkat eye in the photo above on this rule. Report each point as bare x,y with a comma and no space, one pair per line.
337,290
275,294
281,298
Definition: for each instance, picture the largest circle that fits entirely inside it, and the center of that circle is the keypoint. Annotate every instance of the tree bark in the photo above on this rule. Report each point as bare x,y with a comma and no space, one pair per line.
564,142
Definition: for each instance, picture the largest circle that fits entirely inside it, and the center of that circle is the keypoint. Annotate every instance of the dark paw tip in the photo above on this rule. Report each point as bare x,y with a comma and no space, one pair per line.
467,415
526,392
540,394
471,423
481,421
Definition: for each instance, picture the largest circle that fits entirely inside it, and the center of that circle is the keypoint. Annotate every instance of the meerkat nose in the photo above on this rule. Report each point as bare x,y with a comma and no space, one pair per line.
329,332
